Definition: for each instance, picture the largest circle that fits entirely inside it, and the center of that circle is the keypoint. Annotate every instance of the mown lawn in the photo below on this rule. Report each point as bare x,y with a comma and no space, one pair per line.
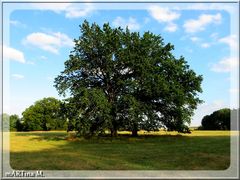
201,150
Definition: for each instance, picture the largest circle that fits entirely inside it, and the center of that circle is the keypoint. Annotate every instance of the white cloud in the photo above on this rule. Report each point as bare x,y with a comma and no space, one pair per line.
56,7
195,25
195,39
71,10
131,23
163,14
49,42
205,45
231,41
171,27
64,39
17,76
225,65
200,42
13,54
44,41
75,11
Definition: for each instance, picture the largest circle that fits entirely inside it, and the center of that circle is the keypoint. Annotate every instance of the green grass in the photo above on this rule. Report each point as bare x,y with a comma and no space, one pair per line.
201,150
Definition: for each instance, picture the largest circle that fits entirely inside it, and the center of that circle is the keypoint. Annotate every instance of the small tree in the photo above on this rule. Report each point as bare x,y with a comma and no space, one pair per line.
10,122
43,115
218,120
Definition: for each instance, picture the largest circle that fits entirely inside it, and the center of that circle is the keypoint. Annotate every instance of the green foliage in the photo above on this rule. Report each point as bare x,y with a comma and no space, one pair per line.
118,79
19,125
218,120
43,115
11,122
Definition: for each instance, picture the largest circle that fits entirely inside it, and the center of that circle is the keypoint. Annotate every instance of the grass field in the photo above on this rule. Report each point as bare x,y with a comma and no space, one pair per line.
201,150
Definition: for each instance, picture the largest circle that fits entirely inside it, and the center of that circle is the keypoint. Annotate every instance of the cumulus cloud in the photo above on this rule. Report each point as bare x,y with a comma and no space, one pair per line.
225,65
200,42
56,7
131,23
17,76
49,42
164,15
75,11
13,54
64,39
71,10
230,40
195,25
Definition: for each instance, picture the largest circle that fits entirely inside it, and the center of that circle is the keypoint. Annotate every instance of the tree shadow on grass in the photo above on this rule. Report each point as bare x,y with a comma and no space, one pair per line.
44,135
41,133
146,152
63,135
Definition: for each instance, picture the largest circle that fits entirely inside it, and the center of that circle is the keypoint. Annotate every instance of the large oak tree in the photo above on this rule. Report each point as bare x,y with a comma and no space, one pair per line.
118,79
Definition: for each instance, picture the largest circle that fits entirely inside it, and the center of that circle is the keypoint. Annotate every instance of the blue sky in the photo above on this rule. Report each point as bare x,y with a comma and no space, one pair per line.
38,39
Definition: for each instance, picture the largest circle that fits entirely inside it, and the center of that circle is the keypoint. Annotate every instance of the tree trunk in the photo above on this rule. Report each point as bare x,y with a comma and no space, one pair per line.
135,130
134,133
113,133
114,124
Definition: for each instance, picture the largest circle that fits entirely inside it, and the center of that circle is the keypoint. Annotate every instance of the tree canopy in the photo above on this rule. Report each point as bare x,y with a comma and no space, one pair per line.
218,120
118,79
